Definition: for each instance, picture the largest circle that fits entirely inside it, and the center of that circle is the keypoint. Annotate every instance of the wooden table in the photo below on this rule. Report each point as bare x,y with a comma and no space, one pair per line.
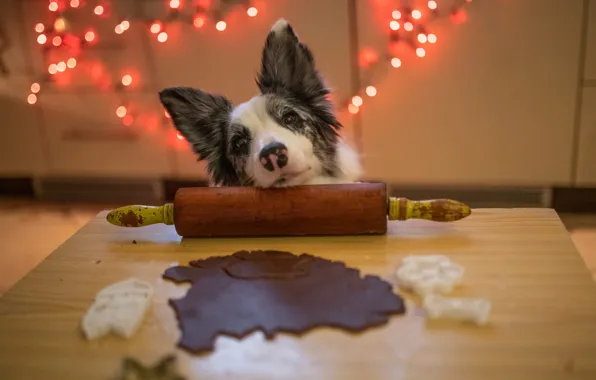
543,324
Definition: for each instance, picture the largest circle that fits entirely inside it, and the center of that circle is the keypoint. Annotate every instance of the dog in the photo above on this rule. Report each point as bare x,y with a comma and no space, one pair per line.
287,135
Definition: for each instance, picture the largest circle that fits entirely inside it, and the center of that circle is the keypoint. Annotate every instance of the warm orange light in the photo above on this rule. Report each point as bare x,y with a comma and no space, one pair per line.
357,101
198,21
422,38
32,99
162,37
353,109
432,4
42,39
127,80
35,87
371,91
57,41
416,14
396,14
121,111
71,63
127,120
174,4
179,136
221,26
395,62
61,66
53,69
53,6
459,16
167,114
420,52
60,25
252,11
118,29
155,27
89,36
409,26
74,3
39,28
394,25
98,10
432,38
125,25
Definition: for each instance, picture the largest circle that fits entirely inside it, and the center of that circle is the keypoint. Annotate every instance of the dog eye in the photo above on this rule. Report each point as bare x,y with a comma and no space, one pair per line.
290,118
239,143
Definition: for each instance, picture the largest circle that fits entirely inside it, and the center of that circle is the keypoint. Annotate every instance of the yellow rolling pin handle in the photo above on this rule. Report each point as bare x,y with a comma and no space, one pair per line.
436,210
141,216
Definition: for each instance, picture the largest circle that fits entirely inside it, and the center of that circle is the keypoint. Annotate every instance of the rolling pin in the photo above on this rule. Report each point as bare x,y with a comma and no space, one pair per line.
346,209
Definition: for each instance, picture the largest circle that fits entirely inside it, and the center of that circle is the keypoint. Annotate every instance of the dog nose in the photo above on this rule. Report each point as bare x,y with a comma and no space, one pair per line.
274,156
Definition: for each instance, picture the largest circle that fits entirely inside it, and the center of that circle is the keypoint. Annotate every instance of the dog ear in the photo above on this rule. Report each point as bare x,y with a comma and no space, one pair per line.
200,117
288,68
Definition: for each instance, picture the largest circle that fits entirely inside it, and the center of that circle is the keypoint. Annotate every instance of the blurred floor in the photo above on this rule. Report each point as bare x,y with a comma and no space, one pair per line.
30,231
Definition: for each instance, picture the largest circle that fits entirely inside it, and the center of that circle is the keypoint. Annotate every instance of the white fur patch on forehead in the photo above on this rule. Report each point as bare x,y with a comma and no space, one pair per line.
252,114
279,26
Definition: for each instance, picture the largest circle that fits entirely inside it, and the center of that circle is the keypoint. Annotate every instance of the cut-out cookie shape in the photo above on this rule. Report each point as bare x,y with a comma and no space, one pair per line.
118,308
275,291
473,310
165,369
429,274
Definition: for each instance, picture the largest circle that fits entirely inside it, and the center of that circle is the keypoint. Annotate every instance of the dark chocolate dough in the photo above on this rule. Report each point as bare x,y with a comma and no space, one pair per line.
275,291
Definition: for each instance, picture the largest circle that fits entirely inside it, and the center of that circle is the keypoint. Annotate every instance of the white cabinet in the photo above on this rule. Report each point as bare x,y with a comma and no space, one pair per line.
492,103
586,162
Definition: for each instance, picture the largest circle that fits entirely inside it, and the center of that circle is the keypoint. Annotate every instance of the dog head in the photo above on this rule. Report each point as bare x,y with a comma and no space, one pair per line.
285,136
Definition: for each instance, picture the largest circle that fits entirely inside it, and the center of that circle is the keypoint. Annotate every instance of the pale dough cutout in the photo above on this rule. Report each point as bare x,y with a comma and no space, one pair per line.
475,310
119,309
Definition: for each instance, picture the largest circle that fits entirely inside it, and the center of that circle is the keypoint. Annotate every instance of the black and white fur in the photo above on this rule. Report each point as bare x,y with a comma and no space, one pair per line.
292,114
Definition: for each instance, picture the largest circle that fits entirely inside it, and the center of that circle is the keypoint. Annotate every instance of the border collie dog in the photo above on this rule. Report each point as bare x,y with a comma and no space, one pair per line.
285,136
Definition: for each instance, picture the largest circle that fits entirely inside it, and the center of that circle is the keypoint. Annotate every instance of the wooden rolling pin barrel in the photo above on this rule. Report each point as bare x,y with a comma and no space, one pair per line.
346,209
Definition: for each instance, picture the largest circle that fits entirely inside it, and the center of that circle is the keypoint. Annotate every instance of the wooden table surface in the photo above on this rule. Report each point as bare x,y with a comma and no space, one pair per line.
543,324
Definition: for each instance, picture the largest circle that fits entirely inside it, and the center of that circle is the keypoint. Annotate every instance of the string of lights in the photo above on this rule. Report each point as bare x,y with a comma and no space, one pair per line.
409,27
56,36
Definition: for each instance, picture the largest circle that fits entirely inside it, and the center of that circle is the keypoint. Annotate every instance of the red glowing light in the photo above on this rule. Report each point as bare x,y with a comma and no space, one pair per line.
432,5
368,57
357,101
174,4
420,52
396,14
252,11
371,91
39,28
198,21
127,120
221,26
353,109
155,27
162,37
459,16
125,25
35,87
32,99
89,36
61,66
409,26
53,6
127,80
42,39
394,25
416,14
395,62
432,38
53,69
57,41
179,136
121,111
74,3
422,38
98,10
71,63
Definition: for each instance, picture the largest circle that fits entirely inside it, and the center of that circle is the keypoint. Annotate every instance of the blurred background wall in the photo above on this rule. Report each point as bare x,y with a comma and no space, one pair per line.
500,110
